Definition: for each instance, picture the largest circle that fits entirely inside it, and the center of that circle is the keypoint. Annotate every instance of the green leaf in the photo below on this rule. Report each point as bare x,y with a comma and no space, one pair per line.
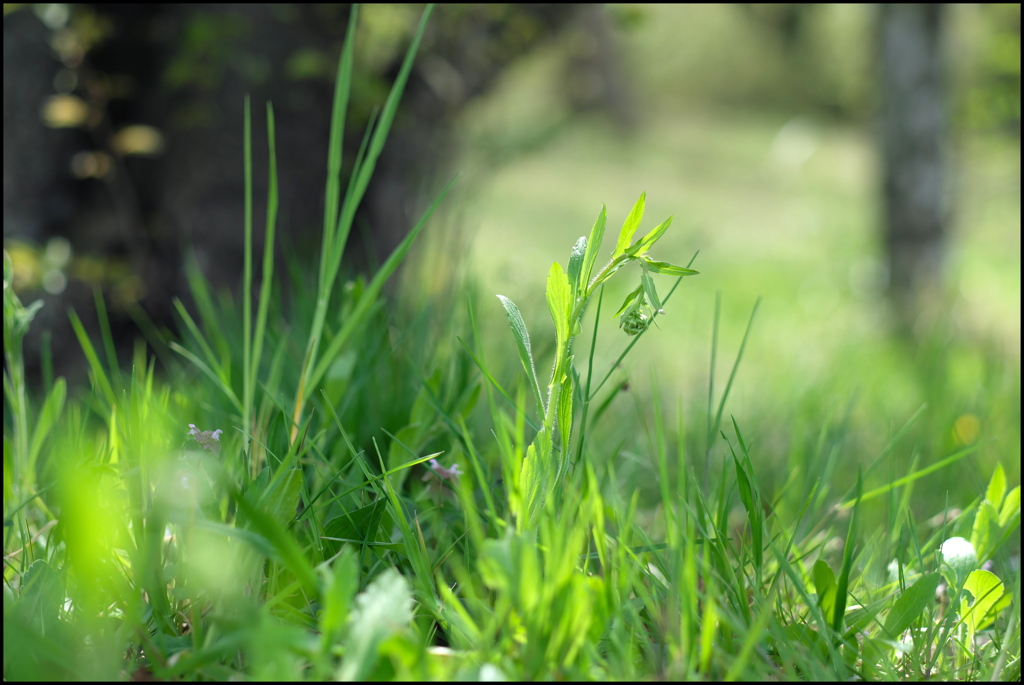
825,585
283,542
99,376
911,604
360,524
382,610
989,599
666,268
340,582
985,529
630,299
576,259
48,415
281,502
41,597
647,242
1011,507
519,332
996,486
629,227
559,297
565,418
534,480
843,582
593,245
647,283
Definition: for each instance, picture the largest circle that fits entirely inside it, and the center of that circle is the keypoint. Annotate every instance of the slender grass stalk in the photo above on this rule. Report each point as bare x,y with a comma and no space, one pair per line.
338,221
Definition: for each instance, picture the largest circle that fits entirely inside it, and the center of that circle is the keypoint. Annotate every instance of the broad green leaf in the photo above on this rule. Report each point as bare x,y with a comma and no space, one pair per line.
41,596
985,529
911,604
825,585
576,266
384,609
519,332
532,487
284,500
559,302
647,242
282,540
667,269
989,599
630,299
629,227
340,582
360,524
996,486
593,245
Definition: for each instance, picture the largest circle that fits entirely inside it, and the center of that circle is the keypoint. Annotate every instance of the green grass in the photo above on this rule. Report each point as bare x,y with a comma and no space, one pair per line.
325,533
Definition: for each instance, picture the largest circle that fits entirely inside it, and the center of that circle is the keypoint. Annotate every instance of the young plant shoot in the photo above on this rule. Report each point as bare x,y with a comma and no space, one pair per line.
568,294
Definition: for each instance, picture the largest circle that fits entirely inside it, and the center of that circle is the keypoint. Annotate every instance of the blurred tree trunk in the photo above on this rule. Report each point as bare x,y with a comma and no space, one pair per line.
913,133
184,70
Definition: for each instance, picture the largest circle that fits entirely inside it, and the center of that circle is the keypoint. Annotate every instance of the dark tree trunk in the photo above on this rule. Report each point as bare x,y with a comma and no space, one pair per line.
913,132
185,70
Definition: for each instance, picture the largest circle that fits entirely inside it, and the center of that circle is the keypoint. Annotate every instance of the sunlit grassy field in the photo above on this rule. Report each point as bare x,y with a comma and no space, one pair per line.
782,206
331,480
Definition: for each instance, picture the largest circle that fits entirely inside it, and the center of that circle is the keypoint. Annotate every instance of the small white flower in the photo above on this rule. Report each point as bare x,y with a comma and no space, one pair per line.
954,549
208,440
960,556
451,474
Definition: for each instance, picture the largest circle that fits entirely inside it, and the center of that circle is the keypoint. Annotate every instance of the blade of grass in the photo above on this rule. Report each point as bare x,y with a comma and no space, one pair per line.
334,243
735,367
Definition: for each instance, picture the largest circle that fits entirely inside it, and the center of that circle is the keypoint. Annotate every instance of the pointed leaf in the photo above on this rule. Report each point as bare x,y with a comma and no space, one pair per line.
48,415
630,299
996,487
989,599
282,500
668,269
593,245
1011,507
565,419
825,586
515,321
629,227
645,243
559,301
576,259
647,283
341,581
360,524
911,604
532,485
384,609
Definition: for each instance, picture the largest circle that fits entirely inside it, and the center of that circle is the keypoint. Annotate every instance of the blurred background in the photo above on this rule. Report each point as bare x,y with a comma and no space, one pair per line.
855,167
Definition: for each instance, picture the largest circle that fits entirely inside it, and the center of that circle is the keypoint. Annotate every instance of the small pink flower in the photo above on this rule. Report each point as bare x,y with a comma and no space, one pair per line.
451,474
208,440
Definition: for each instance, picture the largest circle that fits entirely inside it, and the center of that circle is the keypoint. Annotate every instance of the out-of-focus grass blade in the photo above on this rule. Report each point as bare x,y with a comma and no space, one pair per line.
843,583
522,337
